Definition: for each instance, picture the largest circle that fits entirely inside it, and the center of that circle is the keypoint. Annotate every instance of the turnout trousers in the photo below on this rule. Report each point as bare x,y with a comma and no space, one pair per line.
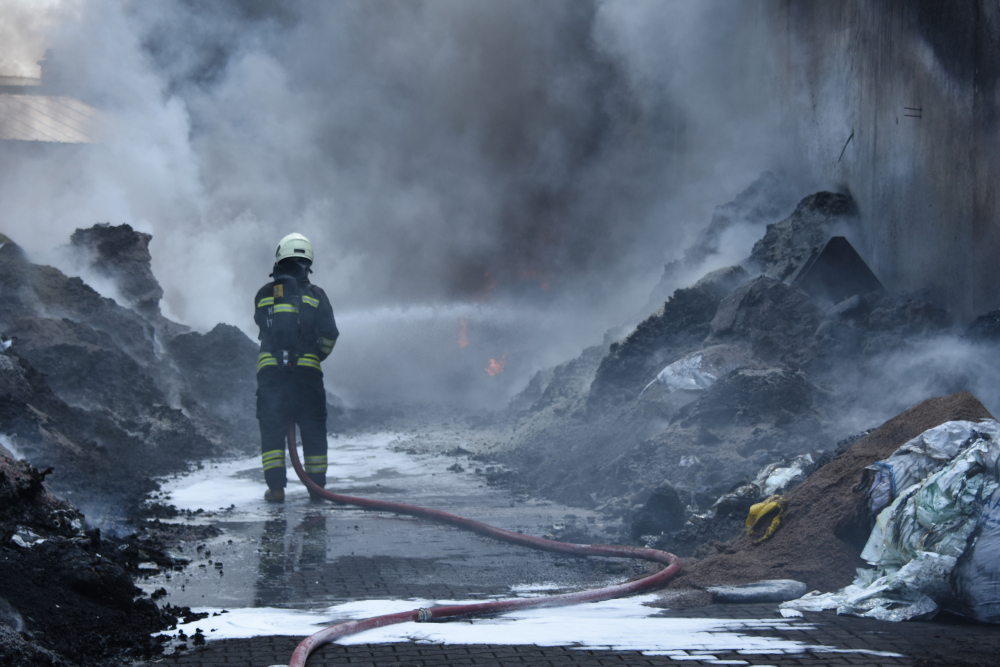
291,394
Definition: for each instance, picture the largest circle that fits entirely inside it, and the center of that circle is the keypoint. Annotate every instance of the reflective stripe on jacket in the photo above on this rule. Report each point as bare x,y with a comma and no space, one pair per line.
318,331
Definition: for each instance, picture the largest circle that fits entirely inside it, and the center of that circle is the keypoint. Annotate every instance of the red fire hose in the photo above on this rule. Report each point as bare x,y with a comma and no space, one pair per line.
334,632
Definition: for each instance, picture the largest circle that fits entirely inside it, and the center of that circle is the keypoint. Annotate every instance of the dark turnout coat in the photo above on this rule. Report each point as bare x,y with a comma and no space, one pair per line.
297,332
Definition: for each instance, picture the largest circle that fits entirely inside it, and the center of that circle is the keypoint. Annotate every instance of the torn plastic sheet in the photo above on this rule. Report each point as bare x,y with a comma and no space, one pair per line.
896,596
700,370
26,538
921,456
977,578
938,515
686,373
919,540
779,477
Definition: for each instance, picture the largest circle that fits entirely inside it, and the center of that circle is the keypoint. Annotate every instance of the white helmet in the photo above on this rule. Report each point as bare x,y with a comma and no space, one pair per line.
293,245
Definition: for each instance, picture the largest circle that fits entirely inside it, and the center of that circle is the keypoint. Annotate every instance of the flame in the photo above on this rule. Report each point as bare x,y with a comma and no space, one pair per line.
463,333
496,367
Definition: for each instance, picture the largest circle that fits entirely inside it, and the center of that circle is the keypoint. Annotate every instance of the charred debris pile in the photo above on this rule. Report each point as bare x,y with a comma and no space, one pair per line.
67,596
109,395
101,397
739,386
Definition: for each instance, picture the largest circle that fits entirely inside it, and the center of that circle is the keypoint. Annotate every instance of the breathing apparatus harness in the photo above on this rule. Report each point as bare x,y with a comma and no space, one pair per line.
285,321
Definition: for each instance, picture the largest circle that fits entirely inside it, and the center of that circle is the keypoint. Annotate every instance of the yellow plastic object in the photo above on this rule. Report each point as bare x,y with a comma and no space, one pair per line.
763,509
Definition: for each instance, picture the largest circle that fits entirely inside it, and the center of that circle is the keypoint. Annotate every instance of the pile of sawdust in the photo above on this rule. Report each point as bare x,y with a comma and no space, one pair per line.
806,547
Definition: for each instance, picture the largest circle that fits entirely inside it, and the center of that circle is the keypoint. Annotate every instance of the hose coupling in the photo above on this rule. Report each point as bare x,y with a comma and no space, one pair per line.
423,615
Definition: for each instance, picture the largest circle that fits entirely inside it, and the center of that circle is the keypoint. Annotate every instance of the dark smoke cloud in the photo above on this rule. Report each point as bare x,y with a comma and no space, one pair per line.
440,141
531,162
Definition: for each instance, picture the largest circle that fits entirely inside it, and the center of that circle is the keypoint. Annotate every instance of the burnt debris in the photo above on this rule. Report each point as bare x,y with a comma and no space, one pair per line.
801,321
93,387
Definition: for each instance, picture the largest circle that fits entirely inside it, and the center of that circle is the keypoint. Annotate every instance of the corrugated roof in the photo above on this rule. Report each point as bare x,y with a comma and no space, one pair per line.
50,118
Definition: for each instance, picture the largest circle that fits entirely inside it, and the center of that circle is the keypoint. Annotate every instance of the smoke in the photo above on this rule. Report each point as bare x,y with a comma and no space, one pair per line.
893,381
526,166
24,29
9,442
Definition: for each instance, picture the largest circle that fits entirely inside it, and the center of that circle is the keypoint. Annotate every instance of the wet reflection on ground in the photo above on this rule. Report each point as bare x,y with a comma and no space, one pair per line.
293,568
307,554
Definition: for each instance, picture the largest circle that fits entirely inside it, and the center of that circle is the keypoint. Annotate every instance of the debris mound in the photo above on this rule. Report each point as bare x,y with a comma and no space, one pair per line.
764,201
122,254
790,242
813,545
739,371
679,327
63,602
89,385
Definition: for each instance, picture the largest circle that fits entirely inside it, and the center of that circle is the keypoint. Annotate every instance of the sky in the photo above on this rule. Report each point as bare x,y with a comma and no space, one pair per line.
509,175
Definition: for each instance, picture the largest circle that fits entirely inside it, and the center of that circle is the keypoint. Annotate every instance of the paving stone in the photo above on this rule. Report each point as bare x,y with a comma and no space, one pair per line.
309,566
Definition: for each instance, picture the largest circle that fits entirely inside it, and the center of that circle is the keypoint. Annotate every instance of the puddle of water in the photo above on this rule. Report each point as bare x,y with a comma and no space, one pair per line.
621,625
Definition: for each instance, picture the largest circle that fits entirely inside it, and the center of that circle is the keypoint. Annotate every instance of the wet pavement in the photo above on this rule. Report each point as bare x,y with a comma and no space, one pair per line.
306,554
278,573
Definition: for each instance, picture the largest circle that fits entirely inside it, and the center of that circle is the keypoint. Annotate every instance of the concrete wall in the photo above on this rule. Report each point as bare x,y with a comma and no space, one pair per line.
910,88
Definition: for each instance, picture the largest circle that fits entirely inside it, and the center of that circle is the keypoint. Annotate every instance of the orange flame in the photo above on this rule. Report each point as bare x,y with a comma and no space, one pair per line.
496,367
463,333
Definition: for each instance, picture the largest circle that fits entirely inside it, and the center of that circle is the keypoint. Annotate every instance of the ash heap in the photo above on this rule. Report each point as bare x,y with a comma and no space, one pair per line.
100,397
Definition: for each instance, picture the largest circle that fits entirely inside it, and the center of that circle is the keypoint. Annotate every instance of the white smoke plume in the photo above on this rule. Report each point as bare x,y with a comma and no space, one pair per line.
524,167
24,32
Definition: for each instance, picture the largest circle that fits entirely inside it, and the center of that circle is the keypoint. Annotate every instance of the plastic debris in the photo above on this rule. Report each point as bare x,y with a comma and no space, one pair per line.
772,479
917,459
977,579
937,544
686,373
26,538
764,509
895,597
778,477
774,590
700,370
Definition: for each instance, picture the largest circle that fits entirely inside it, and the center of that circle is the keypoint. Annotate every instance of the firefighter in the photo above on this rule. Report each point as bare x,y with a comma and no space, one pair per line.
297,332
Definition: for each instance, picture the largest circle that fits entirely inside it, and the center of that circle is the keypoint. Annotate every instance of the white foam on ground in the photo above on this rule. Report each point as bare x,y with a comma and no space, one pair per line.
216,487
619,625
220,485
534,590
